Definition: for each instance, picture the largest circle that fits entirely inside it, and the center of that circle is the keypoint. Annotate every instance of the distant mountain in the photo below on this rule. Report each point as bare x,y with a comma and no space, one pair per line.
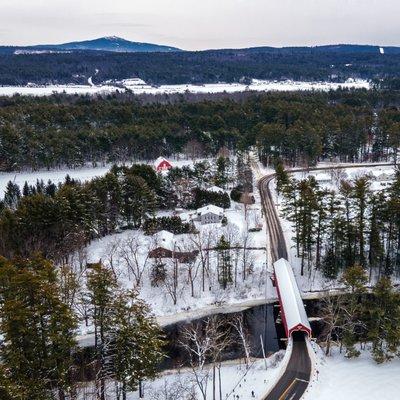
120,45
109,43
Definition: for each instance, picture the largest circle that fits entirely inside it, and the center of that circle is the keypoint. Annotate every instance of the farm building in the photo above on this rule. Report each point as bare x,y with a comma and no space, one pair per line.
165,245
162,164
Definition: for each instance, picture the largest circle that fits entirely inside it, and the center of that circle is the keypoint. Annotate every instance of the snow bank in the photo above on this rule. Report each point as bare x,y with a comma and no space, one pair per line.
359,378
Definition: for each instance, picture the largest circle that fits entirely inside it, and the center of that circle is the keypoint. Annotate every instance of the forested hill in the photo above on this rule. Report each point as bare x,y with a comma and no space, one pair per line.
109,43
326,63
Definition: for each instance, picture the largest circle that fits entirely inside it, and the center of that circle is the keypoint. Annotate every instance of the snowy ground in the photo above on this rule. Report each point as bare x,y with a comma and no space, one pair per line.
53,89
138,86
237,382
353,379
112,249
55,175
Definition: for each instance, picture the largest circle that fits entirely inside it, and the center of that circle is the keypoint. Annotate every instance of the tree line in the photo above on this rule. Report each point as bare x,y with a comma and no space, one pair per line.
301,63
302,128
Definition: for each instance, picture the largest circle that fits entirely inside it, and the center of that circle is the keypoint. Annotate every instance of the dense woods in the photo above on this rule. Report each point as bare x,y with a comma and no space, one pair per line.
300,128
336,63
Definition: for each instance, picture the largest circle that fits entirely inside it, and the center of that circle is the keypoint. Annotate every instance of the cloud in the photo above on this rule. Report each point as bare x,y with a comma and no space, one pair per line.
195,24
126,24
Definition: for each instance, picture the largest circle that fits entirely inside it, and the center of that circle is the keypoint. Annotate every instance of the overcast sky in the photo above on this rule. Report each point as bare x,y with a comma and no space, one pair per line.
202,24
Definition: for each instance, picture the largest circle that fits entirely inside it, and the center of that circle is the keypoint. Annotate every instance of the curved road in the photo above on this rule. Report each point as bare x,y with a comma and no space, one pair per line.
294,381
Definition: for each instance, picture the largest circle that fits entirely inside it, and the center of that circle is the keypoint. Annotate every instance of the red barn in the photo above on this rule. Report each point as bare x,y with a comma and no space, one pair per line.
162,164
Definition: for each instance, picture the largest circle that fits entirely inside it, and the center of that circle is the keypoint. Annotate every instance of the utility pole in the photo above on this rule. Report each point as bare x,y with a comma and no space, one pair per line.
263,351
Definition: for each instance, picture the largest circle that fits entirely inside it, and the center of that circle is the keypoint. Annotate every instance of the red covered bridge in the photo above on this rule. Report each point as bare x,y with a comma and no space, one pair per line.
293,314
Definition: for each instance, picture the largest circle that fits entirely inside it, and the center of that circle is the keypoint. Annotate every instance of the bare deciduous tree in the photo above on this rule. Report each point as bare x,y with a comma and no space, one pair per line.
204,342
135,256
237,323
332,316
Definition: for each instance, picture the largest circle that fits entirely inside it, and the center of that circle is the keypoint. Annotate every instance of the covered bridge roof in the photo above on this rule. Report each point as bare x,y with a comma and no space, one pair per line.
292,307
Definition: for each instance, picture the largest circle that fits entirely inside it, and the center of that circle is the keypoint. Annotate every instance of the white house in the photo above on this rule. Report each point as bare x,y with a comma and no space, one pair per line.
209,214
323,178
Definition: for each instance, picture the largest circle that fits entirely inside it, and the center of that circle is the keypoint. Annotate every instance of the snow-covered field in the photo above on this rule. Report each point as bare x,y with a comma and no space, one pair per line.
55,175
54,89
353,379
138,86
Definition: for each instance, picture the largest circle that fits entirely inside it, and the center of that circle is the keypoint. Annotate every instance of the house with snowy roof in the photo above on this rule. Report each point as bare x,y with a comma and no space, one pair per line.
323,178
384,176
209,214
166,245
216,189
162,164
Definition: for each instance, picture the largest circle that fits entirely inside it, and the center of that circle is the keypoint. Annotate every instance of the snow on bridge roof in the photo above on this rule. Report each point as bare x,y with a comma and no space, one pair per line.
295,317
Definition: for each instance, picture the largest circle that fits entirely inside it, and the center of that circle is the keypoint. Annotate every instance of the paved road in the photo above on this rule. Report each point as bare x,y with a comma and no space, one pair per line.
294,381
277,238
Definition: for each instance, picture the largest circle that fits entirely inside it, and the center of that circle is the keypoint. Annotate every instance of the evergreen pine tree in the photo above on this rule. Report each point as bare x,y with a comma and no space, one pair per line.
12,195
38,329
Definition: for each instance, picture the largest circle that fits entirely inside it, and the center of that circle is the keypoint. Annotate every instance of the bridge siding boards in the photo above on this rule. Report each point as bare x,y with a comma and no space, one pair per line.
294,316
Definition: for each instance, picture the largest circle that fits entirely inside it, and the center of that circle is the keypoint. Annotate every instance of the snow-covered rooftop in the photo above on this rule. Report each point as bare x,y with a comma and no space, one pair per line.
323,177
216,189
160,160
291,301
211,208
